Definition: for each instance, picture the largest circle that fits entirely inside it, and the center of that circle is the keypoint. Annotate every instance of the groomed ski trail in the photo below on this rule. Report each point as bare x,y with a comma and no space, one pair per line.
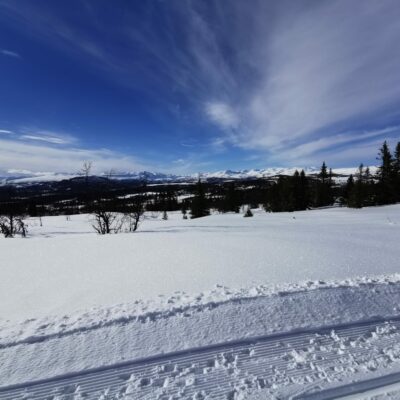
299,365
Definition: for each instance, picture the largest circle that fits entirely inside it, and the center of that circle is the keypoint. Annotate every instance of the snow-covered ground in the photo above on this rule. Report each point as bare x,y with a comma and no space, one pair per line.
282,305
65,266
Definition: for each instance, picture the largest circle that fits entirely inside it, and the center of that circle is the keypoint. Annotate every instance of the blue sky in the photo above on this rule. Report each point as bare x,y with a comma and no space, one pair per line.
188,86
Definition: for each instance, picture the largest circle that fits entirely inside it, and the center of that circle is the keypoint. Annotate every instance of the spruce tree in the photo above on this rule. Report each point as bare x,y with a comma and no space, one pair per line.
386,176
348,189
300,190
396,172
296,190
323,175
230,201
199,207
304,196
357,193
396,161
323,195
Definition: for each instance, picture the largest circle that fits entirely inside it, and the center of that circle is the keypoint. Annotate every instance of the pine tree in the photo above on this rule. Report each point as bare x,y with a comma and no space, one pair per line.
199,207
300,190
304,196
396,161
289,193
323,175
296,190
348,188
385,169
357,193
230,201
323,195
386,176
396,172
330,177
369,187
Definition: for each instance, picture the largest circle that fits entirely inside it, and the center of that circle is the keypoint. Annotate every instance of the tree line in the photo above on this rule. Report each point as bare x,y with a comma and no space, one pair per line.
299,192
117,207
366,189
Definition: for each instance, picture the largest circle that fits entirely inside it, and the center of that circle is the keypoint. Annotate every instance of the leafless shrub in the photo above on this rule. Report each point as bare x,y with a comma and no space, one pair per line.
106,222
11,225
134,213
86,170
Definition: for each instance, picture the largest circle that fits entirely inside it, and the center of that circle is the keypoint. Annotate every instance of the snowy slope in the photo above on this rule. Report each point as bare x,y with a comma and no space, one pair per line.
65,261
289,342
275,306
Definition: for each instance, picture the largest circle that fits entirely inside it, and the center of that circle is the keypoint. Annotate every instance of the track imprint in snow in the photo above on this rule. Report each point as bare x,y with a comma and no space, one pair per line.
295,365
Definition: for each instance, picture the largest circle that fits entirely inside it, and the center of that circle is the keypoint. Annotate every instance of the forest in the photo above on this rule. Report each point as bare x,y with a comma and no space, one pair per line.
120,205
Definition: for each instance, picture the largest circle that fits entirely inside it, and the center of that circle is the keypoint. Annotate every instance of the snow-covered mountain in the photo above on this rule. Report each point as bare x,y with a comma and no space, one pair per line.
26,177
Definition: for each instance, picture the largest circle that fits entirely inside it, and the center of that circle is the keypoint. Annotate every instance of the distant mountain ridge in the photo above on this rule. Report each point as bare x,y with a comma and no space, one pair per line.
27,177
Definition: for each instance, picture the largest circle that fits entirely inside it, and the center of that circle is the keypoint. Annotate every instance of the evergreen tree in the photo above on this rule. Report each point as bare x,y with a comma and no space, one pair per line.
296,187
323,175
199,207
323,195
330,177
300,190
357,193
386,176
230,200
348,188
289,193
396,161
304,196
396,172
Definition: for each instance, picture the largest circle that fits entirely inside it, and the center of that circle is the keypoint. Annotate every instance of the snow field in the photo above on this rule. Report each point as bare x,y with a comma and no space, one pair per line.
64,266
288,343
284,305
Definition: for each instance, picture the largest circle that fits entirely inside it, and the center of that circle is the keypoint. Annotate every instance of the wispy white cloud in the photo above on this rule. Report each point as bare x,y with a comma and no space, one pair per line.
334,147
19,155
363,152
333,64
9,53
222,114
321,69
6,132
293,79
47,139
47,136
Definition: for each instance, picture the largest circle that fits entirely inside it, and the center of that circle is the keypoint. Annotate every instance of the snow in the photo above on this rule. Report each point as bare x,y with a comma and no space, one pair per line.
26,177
277,305
64,265
331,332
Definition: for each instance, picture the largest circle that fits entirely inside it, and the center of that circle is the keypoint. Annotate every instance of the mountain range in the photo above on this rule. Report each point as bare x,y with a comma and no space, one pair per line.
27,177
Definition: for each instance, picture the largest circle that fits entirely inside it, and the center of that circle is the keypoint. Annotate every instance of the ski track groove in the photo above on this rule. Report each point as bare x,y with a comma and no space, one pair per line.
214,369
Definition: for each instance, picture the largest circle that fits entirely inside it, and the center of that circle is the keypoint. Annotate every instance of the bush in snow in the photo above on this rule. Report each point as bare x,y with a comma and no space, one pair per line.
134,213
106,222
11,225
248,213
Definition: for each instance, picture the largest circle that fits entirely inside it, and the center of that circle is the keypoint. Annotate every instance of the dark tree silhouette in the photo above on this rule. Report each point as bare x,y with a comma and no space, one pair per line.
323,193
386,176
199,207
